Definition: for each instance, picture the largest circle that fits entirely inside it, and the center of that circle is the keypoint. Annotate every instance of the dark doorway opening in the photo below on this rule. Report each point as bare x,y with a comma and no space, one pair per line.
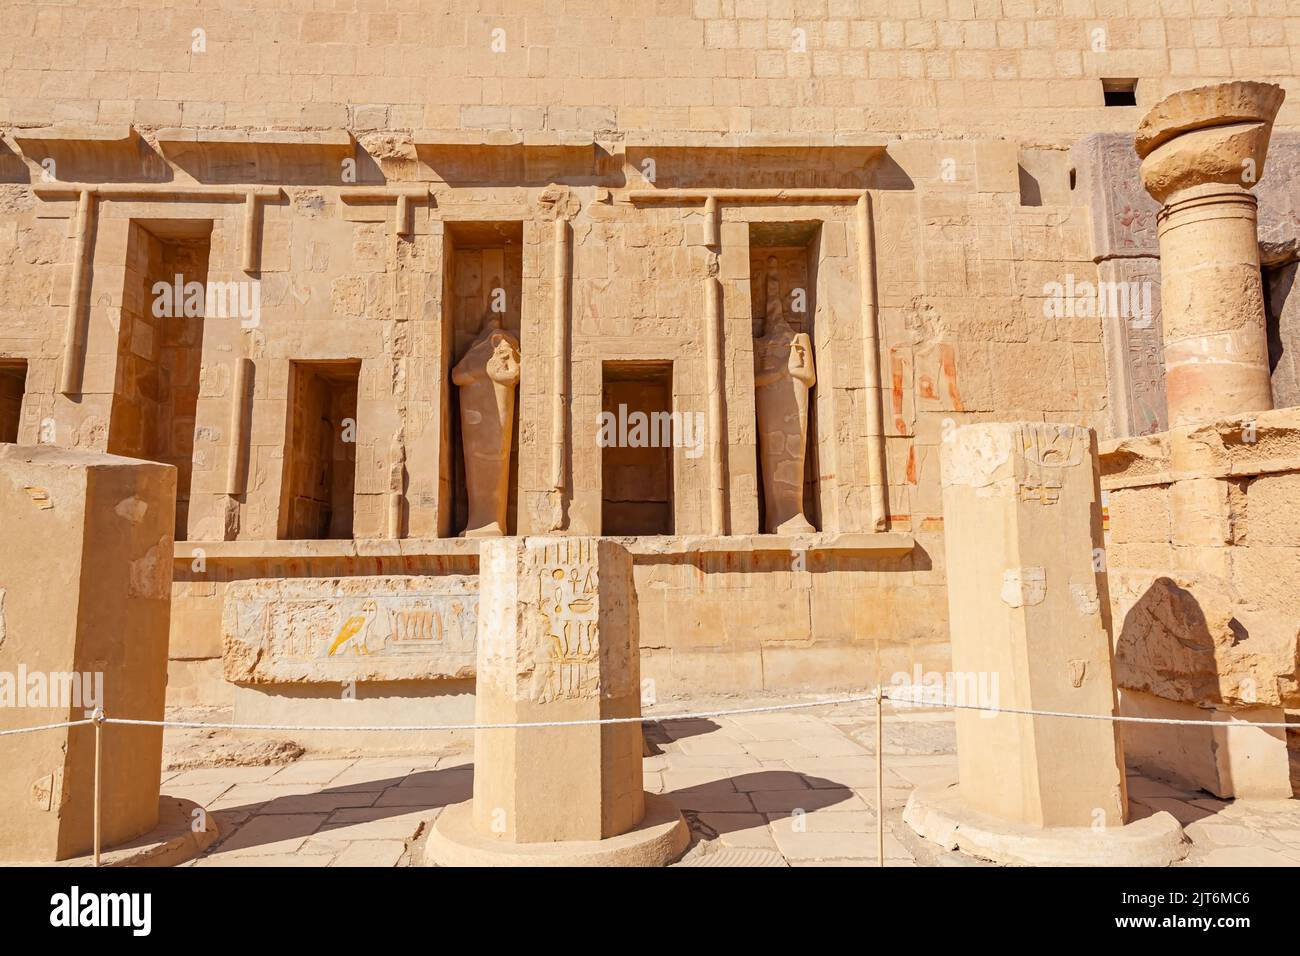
637,435
320,450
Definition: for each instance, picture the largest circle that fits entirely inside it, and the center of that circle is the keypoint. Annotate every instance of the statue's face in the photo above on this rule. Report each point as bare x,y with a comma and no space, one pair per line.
504,362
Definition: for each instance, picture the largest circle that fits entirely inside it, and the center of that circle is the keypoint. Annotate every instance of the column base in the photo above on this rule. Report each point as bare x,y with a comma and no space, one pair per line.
660,837
940,815
172,842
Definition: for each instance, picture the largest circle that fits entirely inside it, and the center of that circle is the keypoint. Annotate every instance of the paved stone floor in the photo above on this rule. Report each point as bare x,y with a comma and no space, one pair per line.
793,788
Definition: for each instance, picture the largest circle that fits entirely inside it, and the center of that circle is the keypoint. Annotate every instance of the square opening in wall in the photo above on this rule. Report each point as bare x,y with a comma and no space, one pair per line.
320,451
1119,92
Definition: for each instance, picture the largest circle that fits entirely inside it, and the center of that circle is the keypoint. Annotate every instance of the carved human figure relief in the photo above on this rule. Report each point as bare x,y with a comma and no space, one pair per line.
487,377
783,376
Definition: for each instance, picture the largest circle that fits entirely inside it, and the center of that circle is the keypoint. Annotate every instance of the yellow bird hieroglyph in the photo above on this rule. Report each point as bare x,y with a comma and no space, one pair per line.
351,638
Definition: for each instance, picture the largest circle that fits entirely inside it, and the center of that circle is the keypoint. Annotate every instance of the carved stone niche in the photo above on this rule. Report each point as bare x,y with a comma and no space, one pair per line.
487,377
784,375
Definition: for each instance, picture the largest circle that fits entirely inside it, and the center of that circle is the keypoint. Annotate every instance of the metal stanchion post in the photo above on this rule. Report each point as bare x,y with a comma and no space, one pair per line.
880,776
98,717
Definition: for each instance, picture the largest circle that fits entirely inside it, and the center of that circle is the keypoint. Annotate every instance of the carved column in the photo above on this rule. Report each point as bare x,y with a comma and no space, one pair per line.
557,643
1202,150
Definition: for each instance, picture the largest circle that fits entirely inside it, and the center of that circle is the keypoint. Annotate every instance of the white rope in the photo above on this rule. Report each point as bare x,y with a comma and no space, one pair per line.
28,730
657,719
770,708
1111,717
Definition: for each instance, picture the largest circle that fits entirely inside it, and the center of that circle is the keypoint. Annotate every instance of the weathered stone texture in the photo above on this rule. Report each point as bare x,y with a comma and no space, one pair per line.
336,630
1029,624
1203,561
558,640
85,583
956,124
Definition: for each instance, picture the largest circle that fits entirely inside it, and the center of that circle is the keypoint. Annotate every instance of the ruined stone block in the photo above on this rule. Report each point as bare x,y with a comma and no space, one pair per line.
85,597
1028,607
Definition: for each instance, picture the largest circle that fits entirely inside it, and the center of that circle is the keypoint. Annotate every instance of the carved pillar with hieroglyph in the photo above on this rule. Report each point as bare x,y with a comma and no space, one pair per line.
557,643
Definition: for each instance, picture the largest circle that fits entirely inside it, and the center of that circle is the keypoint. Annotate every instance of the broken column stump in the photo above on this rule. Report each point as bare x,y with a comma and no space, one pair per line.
1029,617
85,601
557,641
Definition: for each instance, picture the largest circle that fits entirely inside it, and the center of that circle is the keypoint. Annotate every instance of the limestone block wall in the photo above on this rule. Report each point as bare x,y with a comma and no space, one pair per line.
958,255
1028,69
1203,561
370,172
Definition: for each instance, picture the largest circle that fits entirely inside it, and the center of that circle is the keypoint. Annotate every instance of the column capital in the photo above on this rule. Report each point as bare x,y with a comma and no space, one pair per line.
1209,134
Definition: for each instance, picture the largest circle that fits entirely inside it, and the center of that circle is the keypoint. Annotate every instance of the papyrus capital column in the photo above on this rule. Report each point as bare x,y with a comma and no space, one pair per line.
1202,150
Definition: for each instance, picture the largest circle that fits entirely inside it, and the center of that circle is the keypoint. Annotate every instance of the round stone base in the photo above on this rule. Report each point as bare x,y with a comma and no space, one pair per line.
657,840
941,816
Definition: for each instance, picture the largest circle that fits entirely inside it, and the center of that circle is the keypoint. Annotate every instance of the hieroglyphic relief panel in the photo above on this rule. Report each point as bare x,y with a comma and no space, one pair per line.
350,629
569,587
1126,249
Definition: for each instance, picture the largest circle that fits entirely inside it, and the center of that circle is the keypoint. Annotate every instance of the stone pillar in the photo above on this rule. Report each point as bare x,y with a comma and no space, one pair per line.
557,641
85,599
1030,630
1022,519
1202,150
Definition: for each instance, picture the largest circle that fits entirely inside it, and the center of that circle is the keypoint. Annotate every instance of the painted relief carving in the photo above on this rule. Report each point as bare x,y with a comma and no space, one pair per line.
351,629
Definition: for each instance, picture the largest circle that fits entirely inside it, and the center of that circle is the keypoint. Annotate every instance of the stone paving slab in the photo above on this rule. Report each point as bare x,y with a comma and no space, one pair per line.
796,786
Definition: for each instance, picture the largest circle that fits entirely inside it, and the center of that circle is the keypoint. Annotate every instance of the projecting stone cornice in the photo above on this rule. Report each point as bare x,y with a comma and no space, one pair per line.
880,544
328,138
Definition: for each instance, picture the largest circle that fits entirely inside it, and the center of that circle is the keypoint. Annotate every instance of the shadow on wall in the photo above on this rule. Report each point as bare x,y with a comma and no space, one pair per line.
766,562
1283,323
1183,650
1165,646
12,168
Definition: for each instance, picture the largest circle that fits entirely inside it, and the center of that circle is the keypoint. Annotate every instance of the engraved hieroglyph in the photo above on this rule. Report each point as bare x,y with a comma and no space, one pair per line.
783,377
557,641
347,629
569,583
487,377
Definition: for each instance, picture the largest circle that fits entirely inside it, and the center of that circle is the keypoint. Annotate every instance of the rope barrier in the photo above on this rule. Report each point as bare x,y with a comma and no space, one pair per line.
28,730
659,719
99,719
1181,722
652,719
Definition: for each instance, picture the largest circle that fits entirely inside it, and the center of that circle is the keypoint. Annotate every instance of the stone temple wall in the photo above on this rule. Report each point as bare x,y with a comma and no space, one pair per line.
1024,69
374,174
